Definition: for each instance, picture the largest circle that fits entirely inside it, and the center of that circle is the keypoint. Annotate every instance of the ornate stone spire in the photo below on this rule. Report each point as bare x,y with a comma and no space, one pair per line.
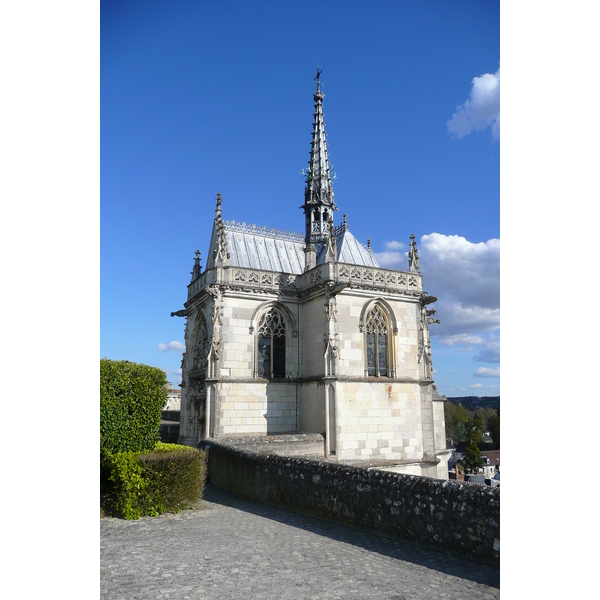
197,266
218,252
318,191
413,256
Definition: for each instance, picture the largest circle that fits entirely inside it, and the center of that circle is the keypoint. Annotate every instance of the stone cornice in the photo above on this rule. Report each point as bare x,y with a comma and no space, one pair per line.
354,277
322,379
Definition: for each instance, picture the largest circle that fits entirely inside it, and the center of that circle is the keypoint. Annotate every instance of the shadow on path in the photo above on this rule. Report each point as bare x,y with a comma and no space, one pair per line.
449,564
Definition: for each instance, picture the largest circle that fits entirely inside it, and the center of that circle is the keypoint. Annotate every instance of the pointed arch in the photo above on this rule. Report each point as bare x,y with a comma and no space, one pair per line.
265,307
378,325
273,326
386,307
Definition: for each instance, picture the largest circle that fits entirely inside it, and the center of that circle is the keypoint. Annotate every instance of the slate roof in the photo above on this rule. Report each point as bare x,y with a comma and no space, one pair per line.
477,479
255,247
493,455
265,249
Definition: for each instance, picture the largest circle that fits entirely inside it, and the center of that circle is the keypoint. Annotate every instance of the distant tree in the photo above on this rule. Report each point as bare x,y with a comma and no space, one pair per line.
456,417
473,458
459,432
494,427
485,413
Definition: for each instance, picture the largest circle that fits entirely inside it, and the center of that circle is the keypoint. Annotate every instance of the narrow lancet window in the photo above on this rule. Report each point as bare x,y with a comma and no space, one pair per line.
271,346
376,331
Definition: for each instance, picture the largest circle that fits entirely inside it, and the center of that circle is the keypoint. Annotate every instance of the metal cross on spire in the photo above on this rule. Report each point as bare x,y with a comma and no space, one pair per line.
318,77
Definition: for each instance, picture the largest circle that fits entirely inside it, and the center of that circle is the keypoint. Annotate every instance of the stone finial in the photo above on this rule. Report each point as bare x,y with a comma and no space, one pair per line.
221,253
218,209
197,266
413,256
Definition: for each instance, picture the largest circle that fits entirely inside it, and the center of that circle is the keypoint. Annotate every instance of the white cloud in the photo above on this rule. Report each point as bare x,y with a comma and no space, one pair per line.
465,277
394,245
392,260
462,274
175,346
393,257
485,372
173,375
489,353
477,387
481,110
459,321
468,272
460,339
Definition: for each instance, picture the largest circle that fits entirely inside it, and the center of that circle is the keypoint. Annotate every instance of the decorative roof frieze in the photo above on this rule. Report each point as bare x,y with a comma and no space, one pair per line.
281,234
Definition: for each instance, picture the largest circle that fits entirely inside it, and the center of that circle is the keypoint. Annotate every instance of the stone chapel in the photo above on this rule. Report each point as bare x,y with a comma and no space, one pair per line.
306,333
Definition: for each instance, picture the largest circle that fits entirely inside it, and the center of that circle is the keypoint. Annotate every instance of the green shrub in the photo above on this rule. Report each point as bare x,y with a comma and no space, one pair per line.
132,397
123,485
168,478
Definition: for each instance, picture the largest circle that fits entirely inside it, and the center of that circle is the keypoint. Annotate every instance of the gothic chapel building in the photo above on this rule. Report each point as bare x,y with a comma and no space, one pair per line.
306,333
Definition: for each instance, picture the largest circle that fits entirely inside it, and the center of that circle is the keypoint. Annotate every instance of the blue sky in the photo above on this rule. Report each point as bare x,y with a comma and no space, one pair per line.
204,97
110,169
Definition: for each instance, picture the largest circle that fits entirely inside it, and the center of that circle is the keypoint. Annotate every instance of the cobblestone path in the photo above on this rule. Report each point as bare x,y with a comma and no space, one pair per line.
232,548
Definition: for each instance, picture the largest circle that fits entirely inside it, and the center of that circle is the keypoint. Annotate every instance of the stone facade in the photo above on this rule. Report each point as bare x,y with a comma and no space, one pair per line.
305,333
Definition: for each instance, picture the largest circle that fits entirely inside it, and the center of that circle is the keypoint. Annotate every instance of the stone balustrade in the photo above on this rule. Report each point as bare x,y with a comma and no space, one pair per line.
386,280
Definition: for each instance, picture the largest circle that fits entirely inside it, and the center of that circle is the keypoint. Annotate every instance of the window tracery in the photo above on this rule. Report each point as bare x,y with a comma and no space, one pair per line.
270,350
377,343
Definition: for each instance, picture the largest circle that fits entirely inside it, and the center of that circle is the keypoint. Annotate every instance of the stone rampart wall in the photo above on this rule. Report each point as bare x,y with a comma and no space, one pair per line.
299,444
449,515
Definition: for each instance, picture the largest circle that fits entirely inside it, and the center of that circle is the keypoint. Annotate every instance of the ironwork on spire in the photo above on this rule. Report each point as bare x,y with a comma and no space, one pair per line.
318,192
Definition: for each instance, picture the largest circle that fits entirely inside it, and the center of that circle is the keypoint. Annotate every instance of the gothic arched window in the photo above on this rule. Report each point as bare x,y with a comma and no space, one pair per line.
377,337
270,362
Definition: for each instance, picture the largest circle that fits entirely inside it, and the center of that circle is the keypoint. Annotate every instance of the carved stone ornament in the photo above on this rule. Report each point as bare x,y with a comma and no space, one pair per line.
330,308
331,349
200,344
413,256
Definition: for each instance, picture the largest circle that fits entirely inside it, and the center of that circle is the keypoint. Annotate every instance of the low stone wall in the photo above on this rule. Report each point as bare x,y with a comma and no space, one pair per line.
454,516
291,444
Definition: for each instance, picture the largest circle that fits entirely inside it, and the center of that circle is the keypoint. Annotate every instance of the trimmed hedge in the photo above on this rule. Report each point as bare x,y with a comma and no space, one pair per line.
132,397
166,479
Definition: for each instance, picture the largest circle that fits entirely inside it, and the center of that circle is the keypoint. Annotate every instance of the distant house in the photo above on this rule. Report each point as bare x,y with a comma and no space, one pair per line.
169,424
173,398
476,479
491,460
486,473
